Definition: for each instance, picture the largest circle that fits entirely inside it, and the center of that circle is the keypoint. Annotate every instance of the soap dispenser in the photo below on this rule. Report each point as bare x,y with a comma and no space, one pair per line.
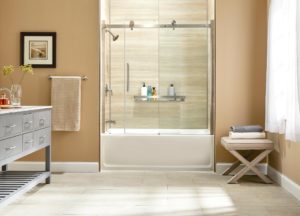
171,90
144,90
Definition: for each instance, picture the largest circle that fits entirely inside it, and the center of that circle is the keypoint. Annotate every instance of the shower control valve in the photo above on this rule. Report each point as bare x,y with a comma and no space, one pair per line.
108,90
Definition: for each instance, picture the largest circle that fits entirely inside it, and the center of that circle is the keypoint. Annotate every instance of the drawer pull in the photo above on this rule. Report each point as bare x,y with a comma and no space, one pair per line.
10,126
10,148
42,122
27,124
29,141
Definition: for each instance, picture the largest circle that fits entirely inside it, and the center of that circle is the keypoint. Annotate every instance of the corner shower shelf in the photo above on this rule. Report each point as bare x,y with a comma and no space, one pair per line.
159,98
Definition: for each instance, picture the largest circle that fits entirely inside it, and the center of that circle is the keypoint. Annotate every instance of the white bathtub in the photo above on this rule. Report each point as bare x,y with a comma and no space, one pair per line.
146,150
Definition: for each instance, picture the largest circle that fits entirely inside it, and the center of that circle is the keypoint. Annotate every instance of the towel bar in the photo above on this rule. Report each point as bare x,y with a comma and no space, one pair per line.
82,77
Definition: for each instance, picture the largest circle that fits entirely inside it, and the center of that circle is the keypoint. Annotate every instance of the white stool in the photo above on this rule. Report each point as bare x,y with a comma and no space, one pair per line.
250,161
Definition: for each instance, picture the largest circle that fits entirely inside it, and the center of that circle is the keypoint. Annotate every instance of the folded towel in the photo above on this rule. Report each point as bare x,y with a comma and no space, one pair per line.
66,102
247,135
246,128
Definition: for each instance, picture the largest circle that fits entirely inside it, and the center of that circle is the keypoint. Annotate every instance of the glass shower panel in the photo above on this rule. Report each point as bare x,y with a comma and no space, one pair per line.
184,62
141,11
184,11
114,82
141,66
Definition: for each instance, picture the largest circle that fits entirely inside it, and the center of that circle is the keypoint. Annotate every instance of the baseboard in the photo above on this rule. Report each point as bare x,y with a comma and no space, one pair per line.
221,167
68,167
284,182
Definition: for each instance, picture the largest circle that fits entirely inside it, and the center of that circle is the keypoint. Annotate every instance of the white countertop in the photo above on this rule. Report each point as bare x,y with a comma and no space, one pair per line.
23,109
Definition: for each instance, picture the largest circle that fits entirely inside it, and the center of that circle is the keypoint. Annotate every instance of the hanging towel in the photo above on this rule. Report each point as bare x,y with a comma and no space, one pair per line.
246,128
66,103
247,135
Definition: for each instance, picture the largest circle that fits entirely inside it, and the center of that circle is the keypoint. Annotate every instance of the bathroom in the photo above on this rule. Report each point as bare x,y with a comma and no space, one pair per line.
141,152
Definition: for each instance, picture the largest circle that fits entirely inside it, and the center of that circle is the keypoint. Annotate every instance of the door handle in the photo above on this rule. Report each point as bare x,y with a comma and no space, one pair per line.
29,141
10,126
10,148
28,124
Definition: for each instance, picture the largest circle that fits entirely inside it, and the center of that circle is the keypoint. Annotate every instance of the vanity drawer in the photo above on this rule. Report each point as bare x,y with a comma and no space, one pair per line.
10,147
27,122
42,137
10,125
28,140
42,119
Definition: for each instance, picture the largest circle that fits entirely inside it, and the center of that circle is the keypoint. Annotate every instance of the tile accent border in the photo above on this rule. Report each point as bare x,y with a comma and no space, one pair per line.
69,167
285,182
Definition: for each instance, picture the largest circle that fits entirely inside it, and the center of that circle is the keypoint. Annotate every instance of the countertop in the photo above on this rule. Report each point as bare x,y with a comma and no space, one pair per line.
24,109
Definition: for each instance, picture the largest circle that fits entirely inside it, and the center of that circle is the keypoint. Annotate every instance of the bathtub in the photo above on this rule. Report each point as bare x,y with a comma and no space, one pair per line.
150,149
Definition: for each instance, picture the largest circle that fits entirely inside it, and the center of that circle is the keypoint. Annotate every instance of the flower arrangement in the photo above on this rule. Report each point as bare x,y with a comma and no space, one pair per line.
9,69
16,89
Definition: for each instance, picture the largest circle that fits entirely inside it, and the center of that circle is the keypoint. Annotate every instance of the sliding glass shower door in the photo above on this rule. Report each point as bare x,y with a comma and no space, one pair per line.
141,67
163,44
184,62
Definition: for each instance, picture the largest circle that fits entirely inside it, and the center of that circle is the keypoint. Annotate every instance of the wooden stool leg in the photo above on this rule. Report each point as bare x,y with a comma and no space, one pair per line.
249,166
256,171
236,164
233,167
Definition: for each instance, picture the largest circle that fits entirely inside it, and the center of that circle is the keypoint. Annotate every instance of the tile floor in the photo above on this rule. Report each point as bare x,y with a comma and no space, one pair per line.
153,194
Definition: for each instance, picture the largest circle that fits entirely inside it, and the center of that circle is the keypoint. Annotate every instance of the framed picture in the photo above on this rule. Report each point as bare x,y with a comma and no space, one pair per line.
38,49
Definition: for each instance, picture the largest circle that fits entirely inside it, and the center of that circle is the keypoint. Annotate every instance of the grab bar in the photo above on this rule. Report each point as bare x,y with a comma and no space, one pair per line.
128,75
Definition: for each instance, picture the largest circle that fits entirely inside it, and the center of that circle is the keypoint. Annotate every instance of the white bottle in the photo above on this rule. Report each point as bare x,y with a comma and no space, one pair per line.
171,90
144,90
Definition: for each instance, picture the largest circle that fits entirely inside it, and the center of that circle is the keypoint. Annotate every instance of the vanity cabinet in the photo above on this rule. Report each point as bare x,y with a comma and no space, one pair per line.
23,131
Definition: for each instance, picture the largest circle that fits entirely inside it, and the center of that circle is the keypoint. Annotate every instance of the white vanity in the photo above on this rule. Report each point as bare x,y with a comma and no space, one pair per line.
23,131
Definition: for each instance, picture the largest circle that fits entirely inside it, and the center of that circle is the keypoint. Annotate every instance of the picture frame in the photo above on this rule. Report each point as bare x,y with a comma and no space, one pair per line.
38,49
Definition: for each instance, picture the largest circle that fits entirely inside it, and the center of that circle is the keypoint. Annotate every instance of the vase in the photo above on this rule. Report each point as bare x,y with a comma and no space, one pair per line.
16,94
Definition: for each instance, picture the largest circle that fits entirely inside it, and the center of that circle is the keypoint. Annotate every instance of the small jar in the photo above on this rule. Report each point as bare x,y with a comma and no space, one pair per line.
4,100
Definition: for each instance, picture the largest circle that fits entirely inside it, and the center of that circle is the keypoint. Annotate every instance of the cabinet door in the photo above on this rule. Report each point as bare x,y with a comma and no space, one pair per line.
10,147
28,140
42,137
10,125
27,123
42,119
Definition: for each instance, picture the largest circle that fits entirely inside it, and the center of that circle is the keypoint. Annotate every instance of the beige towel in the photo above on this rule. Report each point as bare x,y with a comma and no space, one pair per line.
66,102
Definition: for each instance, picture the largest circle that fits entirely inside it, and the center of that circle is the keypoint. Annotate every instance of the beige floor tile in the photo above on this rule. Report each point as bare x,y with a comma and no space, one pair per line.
154,194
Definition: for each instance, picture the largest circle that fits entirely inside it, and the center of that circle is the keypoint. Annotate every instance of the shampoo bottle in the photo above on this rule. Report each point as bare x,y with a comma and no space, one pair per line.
149,91
154,93
171,90
144,90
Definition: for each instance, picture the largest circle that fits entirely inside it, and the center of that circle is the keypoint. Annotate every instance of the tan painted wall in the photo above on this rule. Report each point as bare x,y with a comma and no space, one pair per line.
241,39
76,24
241,51
286,158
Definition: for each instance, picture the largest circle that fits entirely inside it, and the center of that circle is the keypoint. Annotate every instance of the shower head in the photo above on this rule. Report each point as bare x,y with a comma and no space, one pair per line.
114,37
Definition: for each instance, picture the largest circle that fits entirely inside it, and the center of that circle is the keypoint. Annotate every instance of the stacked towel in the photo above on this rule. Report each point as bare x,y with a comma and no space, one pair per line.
246,128
247,132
